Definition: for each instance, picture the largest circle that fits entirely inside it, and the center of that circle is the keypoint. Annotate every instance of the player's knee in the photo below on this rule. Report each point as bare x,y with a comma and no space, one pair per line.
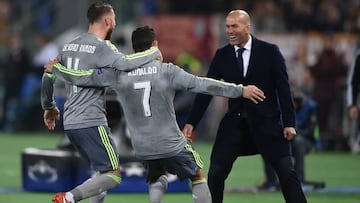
161,183
199,176
115,175
116,172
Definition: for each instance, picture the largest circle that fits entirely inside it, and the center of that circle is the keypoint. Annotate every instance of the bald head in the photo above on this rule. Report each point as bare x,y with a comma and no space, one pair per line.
241,15
238,27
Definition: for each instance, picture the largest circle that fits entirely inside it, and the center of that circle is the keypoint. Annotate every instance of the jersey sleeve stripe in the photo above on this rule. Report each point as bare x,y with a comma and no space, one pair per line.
63,69
133,56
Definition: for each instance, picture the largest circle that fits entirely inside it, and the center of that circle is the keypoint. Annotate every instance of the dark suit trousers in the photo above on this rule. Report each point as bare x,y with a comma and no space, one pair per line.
233,140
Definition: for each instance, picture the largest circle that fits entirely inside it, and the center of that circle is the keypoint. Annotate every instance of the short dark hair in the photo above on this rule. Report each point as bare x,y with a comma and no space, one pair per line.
97,10
142,38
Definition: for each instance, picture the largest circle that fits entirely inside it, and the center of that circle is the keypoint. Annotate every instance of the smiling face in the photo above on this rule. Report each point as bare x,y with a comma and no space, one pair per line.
238,27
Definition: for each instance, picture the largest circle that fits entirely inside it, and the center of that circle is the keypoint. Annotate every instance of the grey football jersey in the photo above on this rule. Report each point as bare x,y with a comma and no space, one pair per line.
85,107
146,95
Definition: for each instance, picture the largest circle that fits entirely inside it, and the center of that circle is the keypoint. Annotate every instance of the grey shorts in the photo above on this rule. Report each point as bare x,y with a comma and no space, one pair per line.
185,164
96,146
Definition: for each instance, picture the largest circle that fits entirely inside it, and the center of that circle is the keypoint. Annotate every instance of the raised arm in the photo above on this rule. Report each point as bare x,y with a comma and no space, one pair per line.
114,59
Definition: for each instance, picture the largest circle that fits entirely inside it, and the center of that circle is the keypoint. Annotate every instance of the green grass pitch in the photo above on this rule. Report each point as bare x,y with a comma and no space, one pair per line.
340,170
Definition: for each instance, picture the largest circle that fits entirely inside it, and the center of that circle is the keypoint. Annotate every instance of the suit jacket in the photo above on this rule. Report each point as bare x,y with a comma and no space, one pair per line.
266,70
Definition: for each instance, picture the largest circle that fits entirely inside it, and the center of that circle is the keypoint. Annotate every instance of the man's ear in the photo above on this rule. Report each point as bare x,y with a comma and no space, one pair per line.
107,21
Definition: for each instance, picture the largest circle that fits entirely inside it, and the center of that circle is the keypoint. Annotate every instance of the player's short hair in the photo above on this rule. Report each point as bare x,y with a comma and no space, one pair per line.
97,10
142,38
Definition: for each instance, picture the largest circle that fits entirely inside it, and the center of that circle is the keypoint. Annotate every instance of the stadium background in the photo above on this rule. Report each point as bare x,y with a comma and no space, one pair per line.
195,27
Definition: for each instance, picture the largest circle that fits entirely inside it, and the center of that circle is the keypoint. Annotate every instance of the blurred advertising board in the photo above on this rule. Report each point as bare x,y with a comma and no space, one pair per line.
177,33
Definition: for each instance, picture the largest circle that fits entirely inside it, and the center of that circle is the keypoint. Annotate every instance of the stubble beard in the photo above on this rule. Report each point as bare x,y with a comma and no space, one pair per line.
109,34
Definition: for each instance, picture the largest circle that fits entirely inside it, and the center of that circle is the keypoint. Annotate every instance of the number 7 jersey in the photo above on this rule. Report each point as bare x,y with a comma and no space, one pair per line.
146,95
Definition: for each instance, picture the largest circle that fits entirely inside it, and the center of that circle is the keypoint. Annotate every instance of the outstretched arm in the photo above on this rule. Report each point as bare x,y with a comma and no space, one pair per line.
210,86
253,93
116,60
88,78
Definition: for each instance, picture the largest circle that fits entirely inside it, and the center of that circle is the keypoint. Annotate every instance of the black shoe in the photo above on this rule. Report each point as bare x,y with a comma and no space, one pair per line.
315,184
269,186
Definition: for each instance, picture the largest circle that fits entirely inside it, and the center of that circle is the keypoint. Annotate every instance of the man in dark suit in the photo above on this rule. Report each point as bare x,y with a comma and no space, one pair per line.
353,87
265,128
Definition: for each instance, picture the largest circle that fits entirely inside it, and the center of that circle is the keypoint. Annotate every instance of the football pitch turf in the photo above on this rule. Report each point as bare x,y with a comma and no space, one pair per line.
340,171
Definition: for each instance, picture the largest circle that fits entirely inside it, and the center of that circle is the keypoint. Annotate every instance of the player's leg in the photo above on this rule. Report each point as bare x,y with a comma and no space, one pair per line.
157,180
188,164
95,145
200,188
100,198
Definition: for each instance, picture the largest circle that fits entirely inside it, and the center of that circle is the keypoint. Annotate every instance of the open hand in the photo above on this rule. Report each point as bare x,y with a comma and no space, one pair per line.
187,131
50,116
253,93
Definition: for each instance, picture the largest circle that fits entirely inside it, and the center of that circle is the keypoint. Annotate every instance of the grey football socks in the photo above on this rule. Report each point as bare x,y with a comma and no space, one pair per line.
100,198
95,186
157,189
201,192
